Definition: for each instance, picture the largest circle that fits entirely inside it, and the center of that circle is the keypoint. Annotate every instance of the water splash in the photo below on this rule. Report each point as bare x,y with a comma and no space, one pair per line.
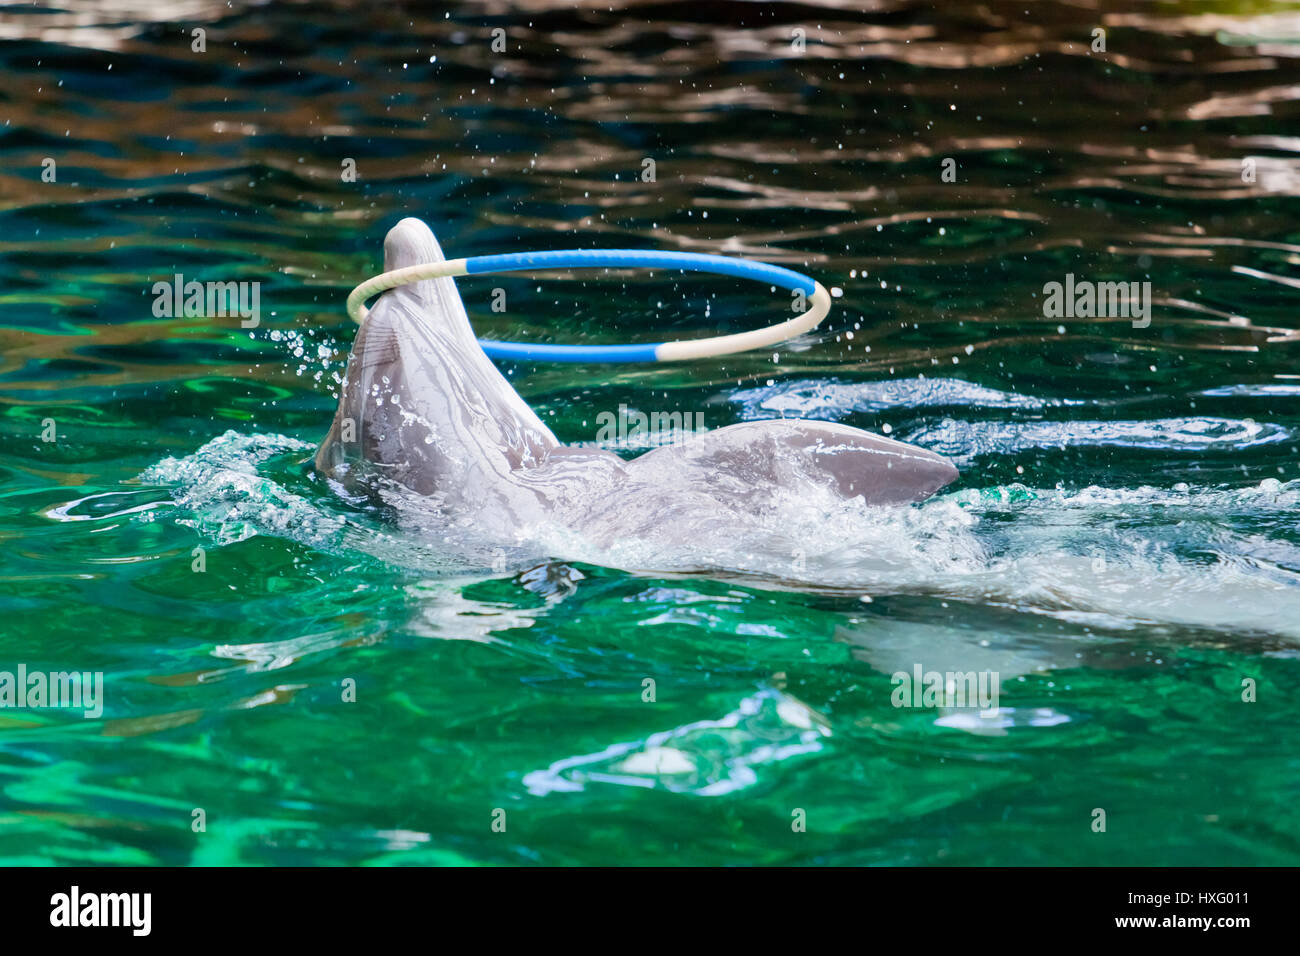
832,400
221,491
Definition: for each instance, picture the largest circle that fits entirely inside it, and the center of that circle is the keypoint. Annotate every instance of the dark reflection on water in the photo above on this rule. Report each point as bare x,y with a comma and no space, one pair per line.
1126,164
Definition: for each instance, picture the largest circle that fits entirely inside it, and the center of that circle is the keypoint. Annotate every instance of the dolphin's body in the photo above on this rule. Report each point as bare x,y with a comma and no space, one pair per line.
423,406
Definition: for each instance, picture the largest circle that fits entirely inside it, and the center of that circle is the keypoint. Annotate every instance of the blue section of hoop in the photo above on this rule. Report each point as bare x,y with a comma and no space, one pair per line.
571,353
619,259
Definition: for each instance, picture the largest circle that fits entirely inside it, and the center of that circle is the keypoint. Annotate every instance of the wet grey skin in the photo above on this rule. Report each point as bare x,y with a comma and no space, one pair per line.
423,406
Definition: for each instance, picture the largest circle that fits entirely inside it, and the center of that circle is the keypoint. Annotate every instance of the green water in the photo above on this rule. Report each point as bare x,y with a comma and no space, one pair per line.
1122,547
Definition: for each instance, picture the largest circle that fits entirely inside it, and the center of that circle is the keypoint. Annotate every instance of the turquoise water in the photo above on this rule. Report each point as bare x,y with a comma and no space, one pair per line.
336,687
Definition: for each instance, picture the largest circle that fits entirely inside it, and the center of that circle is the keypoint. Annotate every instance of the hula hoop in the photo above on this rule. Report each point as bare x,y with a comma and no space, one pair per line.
819,300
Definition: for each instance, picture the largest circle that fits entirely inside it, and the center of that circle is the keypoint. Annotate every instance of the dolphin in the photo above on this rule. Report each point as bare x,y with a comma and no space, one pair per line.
422,408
